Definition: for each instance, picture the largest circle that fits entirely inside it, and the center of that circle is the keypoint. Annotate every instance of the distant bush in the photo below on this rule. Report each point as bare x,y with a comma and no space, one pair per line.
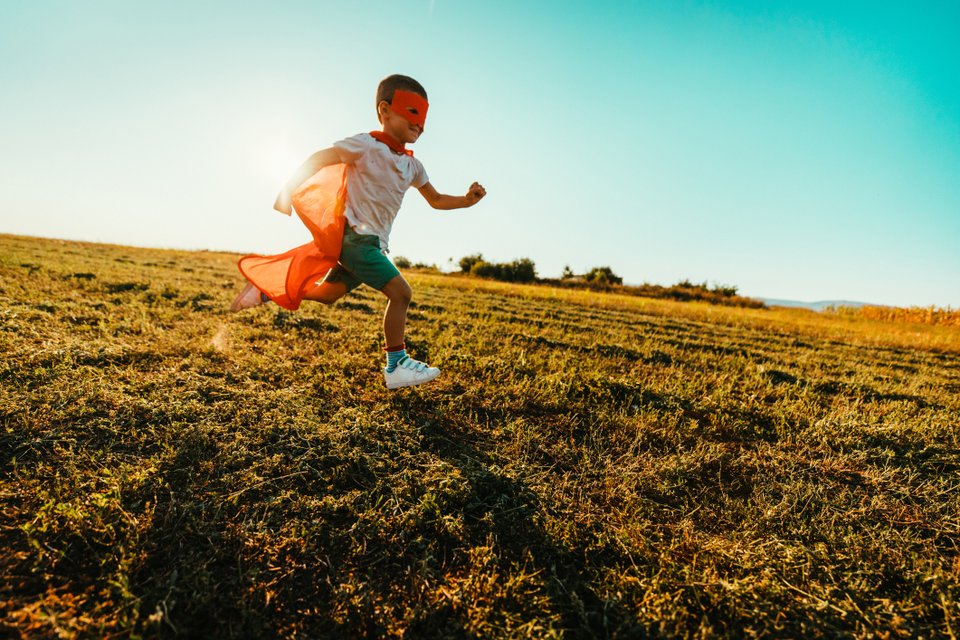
522,270
404,263
602,276
597,277
466,262
602,279
483,269
725,290
688,290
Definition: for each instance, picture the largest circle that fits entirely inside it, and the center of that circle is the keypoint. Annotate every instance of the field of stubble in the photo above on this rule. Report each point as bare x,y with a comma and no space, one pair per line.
587,466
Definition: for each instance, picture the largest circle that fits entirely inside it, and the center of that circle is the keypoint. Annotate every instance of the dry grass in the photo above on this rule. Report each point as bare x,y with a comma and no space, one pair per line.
588,465
913,315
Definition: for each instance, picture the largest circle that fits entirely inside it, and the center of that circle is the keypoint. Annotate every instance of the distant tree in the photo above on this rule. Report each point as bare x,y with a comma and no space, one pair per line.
602,276
567,273
402,263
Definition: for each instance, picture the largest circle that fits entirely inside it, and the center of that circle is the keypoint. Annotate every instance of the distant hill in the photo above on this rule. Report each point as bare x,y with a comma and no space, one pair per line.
816,306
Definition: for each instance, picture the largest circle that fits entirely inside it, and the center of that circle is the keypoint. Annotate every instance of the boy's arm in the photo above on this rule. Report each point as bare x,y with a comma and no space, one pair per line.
310,166
443,201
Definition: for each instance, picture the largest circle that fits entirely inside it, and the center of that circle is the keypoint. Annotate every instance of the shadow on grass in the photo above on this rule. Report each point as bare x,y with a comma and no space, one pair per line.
348,534
502,509
217,567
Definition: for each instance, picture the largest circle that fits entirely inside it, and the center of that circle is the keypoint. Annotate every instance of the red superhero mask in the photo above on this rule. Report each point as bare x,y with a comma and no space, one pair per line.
410,106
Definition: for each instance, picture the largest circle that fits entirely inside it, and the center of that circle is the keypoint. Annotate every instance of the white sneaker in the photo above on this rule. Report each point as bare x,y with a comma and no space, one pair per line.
249,297
409,372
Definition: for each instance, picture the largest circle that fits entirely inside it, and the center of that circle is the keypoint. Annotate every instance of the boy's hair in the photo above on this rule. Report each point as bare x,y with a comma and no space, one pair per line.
390,84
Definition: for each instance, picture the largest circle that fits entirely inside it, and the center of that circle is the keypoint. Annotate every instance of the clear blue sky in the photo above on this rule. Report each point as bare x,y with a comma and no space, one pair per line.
804,150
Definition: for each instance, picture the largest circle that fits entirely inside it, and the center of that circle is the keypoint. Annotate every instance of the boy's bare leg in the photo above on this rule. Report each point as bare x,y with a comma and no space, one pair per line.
398,293
327,292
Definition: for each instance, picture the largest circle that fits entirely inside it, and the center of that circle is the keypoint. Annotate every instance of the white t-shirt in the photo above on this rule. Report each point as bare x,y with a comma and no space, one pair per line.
377,179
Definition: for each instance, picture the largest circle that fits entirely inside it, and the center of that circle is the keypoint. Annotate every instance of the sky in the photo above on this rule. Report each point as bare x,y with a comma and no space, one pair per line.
796,150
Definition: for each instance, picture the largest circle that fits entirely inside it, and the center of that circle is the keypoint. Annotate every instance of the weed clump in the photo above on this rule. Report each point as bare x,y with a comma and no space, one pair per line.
122,287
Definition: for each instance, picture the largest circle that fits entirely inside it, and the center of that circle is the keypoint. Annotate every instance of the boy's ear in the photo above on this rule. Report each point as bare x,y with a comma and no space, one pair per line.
381,109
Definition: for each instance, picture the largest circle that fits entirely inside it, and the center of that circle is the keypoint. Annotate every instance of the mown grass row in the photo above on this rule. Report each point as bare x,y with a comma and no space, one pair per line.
587,465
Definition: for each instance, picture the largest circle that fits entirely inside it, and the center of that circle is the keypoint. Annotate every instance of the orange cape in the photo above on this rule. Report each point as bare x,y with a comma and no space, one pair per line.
287,277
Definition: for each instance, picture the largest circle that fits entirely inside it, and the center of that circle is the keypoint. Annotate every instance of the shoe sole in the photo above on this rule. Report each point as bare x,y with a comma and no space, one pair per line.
238,307
412,383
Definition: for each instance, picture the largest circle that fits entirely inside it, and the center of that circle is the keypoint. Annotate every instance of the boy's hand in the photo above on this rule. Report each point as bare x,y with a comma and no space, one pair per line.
474,194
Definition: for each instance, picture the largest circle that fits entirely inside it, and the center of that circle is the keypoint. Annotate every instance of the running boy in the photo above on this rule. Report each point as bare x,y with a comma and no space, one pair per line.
348,196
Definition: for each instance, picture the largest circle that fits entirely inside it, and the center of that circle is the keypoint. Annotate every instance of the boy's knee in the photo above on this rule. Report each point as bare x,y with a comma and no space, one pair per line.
404,296
398,291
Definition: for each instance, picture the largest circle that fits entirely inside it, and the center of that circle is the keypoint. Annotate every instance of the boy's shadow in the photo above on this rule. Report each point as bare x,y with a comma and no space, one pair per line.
504,510
200,572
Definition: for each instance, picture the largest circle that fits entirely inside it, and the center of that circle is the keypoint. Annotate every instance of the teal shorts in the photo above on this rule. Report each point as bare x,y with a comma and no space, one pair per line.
362,262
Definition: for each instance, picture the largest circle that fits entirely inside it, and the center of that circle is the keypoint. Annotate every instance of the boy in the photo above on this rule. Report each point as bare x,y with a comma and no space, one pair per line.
373,171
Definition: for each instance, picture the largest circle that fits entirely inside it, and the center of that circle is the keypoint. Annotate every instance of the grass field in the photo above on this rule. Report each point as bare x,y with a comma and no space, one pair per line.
587,466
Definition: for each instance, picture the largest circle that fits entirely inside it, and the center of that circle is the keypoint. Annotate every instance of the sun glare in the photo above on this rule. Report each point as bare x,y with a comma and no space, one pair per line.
277,161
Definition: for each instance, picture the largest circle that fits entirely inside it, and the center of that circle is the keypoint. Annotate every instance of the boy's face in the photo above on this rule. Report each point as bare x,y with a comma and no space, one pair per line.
404,118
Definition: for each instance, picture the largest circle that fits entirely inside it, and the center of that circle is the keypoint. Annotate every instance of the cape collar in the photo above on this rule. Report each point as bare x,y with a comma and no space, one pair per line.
395,145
